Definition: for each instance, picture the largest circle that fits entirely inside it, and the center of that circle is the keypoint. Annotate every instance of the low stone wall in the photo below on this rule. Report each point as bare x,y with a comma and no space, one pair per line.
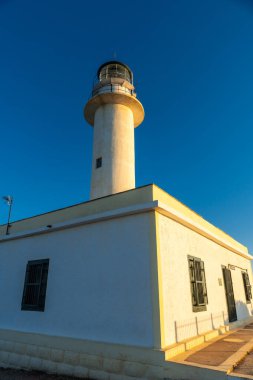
79,358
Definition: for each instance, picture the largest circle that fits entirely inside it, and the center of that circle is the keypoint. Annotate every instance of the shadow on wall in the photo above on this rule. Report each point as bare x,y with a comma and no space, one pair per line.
242,310
198,325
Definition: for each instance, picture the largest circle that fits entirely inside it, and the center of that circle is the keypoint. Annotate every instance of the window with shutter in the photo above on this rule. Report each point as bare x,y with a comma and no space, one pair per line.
198,284
247,286
34,294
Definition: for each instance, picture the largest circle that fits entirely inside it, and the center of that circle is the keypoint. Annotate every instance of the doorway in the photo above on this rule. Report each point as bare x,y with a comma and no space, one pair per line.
232,316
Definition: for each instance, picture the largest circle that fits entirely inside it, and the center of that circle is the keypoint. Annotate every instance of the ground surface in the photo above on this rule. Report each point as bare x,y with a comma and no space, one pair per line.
233,353
216,353
12,374
246,366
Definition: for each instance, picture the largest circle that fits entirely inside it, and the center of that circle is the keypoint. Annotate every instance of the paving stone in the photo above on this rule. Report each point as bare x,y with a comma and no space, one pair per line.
31,350
134,369
91,361
44,353
20,348
49,366
98,375
65,369
36,363
57,355
80,372
4,356
71,357
113,365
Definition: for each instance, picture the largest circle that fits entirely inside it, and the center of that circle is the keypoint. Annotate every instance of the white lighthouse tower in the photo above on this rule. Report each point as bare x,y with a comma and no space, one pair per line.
114,112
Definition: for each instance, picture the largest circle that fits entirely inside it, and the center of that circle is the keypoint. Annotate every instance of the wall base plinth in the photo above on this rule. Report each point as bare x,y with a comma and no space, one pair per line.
79,358
87,359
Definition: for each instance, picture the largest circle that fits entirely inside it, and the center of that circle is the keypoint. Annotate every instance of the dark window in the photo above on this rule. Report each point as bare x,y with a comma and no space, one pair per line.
247,286
35,286
198,284
98,162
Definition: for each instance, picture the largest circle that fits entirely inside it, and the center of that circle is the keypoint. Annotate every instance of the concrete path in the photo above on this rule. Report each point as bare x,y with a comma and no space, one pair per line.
245,367
228,354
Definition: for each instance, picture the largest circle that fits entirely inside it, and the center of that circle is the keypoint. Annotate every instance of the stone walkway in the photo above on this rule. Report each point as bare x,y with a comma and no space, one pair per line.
232,353
246,365
218,352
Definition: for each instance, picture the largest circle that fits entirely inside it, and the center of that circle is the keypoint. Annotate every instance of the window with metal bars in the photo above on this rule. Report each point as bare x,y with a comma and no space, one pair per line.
247,286
34,294
198,284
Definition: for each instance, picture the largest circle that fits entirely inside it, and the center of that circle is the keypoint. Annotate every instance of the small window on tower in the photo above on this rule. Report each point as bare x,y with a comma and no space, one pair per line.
98,162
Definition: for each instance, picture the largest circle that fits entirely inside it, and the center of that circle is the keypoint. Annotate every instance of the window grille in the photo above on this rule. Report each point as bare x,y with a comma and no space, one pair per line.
247,286
35,286
198,284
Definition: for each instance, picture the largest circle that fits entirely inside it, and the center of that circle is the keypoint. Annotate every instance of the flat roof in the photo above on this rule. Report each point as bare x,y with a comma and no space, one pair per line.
149,194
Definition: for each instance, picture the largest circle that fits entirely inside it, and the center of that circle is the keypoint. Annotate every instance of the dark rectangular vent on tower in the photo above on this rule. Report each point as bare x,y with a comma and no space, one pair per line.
98,162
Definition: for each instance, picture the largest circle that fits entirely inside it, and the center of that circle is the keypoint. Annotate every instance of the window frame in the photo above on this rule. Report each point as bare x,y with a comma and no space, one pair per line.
247,286
42,284
195,283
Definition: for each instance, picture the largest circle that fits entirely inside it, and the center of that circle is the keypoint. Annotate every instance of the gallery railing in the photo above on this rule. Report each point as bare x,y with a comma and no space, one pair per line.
117,88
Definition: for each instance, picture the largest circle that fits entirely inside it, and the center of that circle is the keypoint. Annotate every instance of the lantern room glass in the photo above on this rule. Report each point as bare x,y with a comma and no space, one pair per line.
115,70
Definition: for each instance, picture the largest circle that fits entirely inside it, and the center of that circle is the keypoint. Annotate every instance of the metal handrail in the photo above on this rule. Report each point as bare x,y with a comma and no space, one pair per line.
111,88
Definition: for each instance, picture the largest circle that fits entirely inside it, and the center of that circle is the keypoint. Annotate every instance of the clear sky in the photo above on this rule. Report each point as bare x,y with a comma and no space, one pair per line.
193,70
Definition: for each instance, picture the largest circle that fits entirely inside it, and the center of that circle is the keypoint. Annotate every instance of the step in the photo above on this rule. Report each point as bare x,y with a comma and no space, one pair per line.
211,335
223,329
188,344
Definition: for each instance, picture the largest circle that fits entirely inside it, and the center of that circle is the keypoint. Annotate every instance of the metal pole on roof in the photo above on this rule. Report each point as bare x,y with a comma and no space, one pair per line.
9,200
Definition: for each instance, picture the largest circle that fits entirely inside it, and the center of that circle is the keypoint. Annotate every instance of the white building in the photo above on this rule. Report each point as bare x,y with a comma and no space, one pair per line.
109,287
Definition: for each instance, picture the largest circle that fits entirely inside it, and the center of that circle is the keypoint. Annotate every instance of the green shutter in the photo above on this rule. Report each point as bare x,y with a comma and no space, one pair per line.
197,283
247,286
204,281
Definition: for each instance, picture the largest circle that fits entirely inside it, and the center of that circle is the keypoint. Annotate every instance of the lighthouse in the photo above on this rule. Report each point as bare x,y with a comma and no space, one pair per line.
114,111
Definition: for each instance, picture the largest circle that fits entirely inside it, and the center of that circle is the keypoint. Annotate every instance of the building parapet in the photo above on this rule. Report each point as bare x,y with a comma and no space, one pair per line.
136,201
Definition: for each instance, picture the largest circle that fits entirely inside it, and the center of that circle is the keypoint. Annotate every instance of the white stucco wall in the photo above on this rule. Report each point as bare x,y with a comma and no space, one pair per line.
98,282
113,141
176,242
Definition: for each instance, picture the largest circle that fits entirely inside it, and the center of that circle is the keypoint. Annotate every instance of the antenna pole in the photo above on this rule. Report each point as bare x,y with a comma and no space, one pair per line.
9,216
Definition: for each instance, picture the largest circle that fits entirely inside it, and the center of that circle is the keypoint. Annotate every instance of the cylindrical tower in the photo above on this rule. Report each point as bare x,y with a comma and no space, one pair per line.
114,112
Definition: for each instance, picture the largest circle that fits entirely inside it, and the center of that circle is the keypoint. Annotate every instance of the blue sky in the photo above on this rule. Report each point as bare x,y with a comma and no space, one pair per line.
193,69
